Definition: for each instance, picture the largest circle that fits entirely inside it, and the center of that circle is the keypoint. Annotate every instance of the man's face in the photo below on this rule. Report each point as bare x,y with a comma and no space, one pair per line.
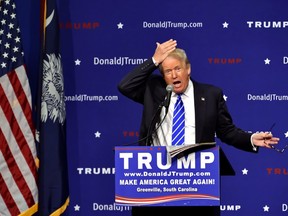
176,73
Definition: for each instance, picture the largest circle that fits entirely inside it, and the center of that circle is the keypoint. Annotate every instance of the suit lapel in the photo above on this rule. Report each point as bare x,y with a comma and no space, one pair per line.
200,110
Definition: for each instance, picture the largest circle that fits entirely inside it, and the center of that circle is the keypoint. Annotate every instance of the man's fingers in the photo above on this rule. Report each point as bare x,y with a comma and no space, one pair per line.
162,50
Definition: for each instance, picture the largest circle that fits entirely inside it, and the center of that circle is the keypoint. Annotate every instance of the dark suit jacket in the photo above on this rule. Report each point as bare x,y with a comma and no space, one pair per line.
211,116
211,113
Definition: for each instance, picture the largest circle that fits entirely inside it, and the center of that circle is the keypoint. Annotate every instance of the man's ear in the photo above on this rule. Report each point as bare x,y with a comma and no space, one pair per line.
189,71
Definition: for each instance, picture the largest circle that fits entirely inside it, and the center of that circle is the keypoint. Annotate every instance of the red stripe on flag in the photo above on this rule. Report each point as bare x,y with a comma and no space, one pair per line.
23,146
15,171
26,108
9,201
18,134
21,96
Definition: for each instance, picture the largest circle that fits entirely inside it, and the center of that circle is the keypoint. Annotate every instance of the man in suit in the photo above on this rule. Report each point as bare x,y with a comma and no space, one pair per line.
206,113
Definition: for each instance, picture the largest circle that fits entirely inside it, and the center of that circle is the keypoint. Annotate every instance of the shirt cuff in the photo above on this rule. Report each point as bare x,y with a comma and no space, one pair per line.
155,62
253,146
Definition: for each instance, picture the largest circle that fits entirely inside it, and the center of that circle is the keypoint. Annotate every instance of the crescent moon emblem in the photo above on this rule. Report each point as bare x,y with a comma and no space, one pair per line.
49,19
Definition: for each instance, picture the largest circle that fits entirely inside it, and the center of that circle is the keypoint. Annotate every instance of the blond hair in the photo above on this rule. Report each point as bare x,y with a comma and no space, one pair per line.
179,54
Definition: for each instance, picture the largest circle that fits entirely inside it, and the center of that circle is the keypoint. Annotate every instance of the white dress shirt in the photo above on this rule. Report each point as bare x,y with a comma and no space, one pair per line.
163,135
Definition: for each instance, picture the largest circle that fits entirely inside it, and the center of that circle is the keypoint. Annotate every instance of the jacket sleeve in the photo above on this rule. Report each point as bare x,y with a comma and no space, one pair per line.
228,132
133,85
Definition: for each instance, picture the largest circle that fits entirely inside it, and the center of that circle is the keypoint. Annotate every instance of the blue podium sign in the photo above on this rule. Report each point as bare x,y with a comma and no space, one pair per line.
149,176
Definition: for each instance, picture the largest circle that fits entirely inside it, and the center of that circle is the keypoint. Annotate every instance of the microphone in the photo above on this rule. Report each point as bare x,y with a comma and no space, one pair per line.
166,102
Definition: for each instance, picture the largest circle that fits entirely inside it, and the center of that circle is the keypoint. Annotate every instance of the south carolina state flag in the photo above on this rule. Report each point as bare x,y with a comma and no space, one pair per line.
51,122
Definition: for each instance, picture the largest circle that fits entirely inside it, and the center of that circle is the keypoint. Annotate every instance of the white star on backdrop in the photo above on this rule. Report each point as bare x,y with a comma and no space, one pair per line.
267,61
225,97
244,171
97,134
225,24
77,208
266,208
77,62
120,25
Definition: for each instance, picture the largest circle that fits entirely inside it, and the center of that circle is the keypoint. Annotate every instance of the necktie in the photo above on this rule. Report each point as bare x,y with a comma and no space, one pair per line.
178,127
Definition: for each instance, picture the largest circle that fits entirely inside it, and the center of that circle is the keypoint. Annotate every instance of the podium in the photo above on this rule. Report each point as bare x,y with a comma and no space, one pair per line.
149,176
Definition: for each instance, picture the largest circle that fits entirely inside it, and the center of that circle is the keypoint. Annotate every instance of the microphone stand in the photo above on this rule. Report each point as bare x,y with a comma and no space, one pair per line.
165,104
149,133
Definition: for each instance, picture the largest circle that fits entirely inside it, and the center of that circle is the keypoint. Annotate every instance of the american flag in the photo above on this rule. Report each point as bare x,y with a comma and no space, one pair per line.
18,170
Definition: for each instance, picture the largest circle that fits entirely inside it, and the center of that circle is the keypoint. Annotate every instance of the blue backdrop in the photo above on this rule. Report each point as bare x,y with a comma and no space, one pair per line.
240,46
